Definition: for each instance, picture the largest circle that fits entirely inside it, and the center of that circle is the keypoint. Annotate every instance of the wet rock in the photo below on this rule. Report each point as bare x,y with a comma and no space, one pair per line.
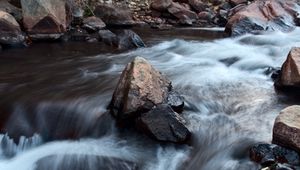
128,39
184,15
290,71
270,154
114,15
264,15
287,128
77,34
139,89
93,24
108,37
163,124
176,101
10,31
161,5
46,19
80,162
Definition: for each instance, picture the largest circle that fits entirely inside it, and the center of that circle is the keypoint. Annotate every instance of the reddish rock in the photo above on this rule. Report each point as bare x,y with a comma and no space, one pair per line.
198,5
290,71
286,129
114,15
44,17
10,31
238,2
184,15
264,15
139,89
161,5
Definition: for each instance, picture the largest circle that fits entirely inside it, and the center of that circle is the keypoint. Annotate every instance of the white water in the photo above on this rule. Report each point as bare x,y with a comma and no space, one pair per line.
229,108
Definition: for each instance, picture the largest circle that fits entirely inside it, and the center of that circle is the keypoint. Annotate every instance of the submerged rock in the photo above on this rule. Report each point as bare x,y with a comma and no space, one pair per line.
270,154
80,162
286,129
114,15
290,71
264,15
163,124
139,89
44,19
10,31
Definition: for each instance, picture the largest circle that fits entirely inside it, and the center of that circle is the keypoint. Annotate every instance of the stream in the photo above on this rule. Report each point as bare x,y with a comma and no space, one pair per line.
53,90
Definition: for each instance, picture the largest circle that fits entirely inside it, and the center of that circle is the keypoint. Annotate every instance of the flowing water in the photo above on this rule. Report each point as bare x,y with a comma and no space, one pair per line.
51,91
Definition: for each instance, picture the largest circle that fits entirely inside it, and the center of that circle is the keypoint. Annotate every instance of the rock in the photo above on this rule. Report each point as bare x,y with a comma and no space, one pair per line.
44,17
290,71
139,89
184,15
10,31
287,128
264,15
161,5
93,24
270,154
128,39
176,101
237,2
198,5
163,124
80,162
9,8
114,15
76,34
108,37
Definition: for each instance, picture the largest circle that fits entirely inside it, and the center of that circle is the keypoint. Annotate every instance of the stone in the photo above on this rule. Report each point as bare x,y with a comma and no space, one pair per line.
237,2
290,70
286,128
128,39
184,15
44,17
140,88
161,5
108,37
198,5
11,9
264,15
176,101
80,162
16,3
270,154
114,15
163,124
10,31
93,24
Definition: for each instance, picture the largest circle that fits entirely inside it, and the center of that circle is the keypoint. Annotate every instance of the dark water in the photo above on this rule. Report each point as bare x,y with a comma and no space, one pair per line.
62,89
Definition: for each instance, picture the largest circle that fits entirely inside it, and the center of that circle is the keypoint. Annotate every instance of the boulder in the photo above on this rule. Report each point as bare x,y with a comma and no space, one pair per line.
163,124
43,17
184,15
10,31
264,15
128,39
80,162
270,154
16,3
11,9
93,24
108,37
139,89
161,5
198,5
286,129
290,71
114,15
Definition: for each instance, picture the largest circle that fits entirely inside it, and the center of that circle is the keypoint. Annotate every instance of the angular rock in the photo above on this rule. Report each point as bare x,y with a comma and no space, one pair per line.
286,129
270,154
80,162
10,31
290,71
139,89
176,101
184,15
163,124
93,24
108,37
114,15
264,15
44,17
161,5
128,39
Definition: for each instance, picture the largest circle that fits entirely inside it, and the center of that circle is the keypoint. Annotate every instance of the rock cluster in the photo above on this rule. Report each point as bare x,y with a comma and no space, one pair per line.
144,96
